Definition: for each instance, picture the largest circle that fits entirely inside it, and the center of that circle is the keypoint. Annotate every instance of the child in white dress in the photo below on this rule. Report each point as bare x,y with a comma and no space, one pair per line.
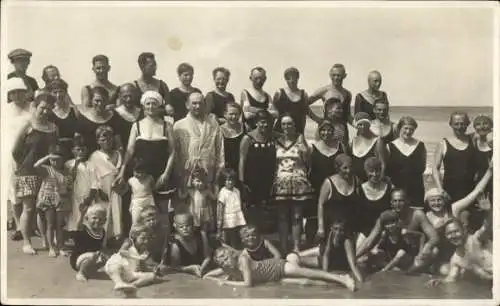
198,198
230,216
84,185
141,185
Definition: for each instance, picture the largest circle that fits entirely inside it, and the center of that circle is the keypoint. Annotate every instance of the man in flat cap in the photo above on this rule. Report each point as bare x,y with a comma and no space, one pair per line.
20,59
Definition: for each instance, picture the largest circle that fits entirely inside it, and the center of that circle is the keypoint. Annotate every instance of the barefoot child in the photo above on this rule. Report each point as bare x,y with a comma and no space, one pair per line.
87,257
255,246
189,250
230,216
243,271
142,185
52,201
125,268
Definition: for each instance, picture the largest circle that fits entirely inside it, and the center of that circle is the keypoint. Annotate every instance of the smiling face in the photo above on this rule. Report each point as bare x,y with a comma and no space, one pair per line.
326,133
398,201
43,110
288,125
151,107
96,220
226,260
149,67
105,141
250,238
232,115
482,127
436,203
374,81
221,80
454,233
258,78
128,96
337,75
186,78
406,132
381,110
459,124
374,175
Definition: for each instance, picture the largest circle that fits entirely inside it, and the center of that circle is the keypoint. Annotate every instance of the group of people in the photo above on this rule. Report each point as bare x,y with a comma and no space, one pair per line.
141,179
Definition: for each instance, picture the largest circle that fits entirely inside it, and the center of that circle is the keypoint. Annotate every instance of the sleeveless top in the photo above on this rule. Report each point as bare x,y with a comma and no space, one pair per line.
345,205
33,147
220,103
154,153
188,258
482,160
87,129
163,90
322,166
232,151
406,172
260,253
178,99
123,127
362,105
113,96
458,181
358,163
257,104
66,128
337,259
297,109
260,168
372,209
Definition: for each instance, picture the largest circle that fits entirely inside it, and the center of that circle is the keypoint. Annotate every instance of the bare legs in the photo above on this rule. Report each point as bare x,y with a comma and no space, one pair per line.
289,210
26,220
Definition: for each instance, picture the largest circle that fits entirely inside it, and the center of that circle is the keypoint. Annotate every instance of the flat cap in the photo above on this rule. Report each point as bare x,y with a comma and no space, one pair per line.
19,53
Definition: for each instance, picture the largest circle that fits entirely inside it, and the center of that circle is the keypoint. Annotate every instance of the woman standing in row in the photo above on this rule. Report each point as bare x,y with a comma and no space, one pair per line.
218,99
256,98
180,95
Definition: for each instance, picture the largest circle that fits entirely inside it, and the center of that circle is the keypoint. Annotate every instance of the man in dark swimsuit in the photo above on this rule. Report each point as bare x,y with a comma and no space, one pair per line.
411,219
20,59
189,250
101,68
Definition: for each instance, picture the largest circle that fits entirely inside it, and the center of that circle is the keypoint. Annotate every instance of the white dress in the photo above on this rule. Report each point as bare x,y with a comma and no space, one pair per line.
142,196
233,214
130,267
85,180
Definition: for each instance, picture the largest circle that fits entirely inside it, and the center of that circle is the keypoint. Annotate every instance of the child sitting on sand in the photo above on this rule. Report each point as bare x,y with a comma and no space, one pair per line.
125,268
87,256
241,270
255,246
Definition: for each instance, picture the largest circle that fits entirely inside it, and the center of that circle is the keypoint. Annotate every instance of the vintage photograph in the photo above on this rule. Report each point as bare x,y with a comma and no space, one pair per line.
247,150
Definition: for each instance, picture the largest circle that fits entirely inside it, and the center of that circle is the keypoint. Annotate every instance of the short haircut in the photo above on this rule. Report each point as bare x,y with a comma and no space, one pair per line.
137,230
228,173
338,66
459,113
44,72
103,129
372,163
225,71
100,58
143,58
341,159
234,105
99,90
482,118
184,67
258,69
406,120
292,71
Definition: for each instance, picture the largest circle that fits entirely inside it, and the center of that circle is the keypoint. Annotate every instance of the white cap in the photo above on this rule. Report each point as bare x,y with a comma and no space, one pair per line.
15,84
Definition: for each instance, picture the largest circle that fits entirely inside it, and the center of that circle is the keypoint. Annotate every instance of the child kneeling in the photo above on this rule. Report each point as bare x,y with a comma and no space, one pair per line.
126,267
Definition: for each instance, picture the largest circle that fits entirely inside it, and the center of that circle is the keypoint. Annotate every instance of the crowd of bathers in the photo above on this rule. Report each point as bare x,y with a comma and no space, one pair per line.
141,181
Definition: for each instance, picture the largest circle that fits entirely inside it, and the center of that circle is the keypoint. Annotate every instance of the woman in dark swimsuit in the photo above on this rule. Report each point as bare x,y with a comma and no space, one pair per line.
179,95
64,115
147,81
339,195
365,144
97,115
324,151
382,126
255,99
458,181
257,169
128,112
375,195
407,162
292,100
483,125
233,131
218,99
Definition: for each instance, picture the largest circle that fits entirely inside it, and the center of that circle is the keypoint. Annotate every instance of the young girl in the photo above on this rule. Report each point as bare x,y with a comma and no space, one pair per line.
142,185
393,250
87,257
337,253
230,216
198,198
125,268
233,131
241,270
52,201
84,187
255,246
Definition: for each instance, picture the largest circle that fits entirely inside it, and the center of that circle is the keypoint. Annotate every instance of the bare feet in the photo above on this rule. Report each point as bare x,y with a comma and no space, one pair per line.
45,244
53,253
28,249
63,253
81,277
349,282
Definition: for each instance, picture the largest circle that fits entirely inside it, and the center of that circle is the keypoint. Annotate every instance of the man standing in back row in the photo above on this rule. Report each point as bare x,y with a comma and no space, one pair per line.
335,89
20,59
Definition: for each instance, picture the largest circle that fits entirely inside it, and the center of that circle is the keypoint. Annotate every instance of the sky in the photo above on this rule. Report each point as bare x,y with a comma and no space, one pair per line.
427,56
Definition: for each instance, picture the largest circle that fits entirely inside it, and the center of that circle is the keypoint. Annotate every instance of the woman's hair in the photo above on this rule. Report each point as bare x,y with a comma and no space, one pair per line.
143,58
341,159
459,113
103,129
481,118
292,71
100,58
372,163
453,220
44,72
58,84
233,105
184,67
436,192
258,69
263,114
223,252
406,120
95,209
286,114
137,230
44,97
225,71
99,90
325,123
